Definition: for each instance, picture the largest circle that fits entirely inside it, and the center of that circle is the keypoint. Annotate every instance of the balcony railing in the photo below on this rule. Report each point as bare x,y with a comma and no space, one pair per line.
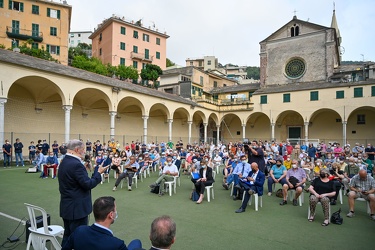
142,57
23,34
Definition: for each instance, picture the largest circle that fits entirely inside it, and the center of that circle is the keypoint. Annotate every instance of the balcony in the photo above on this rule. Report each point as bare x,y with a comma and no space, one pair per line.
23,34
142,57
236,104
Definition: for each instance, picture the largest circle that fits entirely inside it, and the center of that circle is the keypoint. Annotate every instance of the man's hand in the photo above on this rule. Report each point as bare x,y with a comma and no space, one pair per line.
290,185
250,179
102,169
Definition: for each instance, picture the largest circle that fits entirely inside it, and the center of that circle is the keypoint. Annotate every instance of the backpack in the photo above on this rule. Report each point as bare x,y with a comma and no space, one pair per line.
194,196
155,189
279,193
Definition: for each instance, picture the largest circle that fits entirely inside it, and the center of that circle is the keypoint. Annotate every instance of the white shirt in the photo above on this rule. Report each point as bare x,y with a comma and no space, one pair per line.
254,176
172,169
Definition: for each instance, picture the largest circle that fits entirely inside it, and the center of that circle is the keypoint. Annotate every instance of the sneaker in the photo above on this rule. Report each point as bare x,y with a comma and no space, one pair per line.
251,192
333,202
54,177
238,186
161,194
129,188
269,194
16,166
240,210
45,177
372,217
295,202
114,188
350,214
283,203
152,185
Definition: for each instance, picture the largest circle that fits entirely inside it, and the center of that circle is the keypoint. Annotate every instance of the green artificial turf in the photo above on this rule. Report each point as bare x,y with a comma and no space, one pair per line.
212,225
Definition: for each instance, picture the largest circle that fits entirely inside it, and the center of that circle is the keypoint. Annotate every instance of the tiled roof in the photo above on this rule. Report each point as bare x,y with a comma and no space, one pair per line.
236,88
48,66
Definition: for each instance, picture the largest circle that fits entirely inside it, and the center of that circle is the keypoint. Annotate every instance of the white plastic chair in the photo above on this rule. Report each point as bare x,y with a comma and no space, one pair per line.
134,178
38,240
42,234
208,189
291,194
173,184
368,204
258,200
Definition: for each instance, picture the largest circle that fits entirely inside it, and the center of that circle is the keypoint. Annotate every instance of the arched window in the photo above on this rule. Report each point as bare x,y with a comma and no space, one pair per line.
296,33
292,31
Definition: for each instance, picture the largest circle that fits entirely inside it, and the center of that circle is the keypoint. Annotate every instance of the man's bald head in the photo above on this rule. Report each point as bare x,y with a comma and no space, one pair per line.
163,232
362,174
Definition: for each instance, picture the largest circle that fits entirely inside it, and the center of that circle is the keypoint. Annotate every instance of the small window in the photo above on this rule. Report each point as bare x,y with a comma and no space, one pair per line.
215,97
147,54
191,64
15,27
146,38
201,80
13,5
157,55
122,61
34,29
100,37
215,84
372,90
358,92
361,119
53,13
286,97
53,31
123,30
135,64
340,94
263,99
100,51
158,41
79,35
135,34
209,62
53,50
338,120
122,46
135,49
35,45
193,90
35,9
1,3
250,95
314,95
144,65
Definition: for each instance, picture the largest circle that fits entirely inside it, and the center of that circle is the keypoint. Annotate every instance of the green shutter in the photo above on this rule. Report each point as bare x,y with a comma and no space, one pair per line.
340,94
47,48
286,97
10,4
57,50
314,96
123,31
358,92
58,14
1,3
135,49
147,54
48,12
157,55
21,7
372,90
263,99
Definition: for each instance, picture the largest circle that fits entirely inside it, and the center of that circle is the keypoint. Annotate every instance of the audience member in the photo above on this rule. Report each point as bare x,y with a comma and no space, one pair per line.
163,233
277,175
18,146
205,179
295,179
130,169
169,171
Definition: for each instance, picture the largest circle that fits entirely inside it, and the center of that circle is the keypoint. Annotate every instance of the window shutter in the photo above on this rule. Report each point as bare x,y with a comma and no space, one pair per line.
1,3
57,50
10,4
58,14
47,46
21,7
48,12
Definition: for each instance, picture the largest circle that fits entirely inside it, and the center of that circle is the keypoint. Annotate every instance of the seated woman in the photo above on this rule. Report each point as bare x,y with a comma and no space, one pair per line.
335,175
205,179
116,164
321,189
277,175
229,166
319,165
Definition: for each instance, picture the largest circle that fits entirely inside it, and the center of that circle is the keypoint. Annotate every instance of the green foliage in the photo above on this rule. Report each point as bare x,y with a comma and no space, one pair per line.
169,63
127,72
39,53
151,72
2,46
253,72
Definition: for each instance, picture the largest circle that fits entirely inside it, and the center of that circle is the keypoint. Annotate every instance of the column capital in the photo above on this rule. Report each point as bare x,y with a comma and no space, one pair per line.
145,117
344,122
272,124
189,122
3,100
169,120
67,107
205,124
306,123
217,126
112,113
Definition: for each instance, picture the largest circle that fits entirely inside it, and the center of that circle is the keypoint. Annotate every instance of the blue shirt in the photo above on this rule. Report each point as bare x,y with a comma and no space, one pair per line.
278,171
242,168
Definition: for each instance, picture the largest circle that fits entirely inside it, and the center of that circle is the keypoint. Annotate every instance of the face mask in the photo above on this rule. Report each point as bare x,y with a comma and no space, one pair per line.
140,158
50,155
116,216
322,175
169,163
99,154
105,157
244,162
174,157
308,160
116,155
368,146
203,166
318,164
294,166
278,165
288,159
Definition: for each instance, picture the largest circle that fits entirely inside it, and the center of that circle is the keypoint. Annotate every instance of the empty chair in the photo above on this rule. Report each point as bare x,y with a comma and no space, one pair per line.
208,189
38,238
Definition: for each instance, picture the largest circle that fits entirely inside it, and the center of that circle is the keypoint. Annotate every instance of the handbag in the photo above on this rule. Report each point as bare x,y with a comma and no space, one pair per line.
195,176
336,218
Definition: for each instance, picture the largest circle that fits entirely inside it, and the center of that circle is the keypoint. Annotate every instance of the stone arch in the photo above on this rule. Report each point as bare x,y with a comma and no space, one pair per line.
325,124
231,127
289,124
258,126
159,115
360,125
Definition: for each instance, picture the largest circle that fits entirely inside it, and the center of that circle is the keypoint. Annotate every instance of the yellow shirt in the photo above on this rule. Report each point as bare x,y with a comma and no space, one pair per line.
288,164
317,169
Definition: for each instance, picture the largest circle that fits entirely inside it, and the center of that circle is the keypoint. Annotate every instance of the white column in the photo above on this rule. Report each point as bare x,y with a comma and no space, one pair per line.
145,118
306,132
170,121
273,131
243,132
112,127
205,132
189,131
67,109
344,123
2,120
217,134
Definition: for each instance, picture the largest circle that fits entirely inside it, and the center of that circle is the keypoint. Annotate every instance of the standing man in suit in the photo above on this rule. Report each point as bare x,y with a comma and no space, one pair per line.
163,233
75,188
253,184
99,235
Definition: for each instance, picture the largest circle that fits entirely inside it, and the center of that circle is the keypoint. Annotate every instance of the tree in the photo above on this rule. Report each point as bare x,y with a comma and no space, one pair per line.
169,63
151,73
253,72
127,72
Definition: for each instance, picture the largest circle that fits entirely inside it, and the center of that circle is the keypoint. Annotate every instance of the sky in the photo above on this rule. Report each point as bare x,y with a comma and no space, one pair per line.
231,30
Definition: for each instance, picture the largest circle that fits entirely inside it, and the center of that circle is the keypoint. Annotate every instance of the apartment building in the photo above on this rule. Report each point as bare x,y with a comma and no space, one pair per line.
47,23
77,37
120,42
205,63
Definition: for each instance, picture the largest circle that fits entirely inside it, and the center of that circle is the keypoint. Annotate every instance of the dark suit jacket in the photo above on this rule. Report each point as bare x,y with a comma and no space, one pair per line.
75,188
93,237
208,174
259,181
